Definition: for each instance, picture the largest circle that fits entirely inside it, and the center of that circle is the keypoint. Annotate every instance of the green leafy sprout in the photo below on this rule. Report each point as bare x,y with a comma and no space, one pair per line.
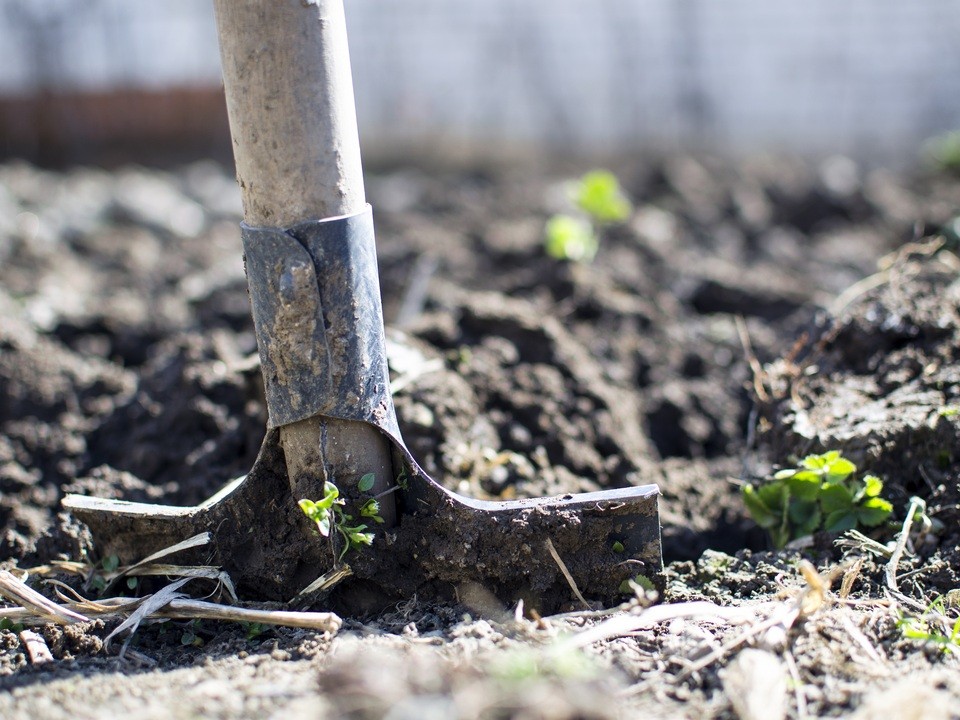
599,201
332,520
253,630
823,493
934,626
10,626
641,581
191,634
571,238
106,567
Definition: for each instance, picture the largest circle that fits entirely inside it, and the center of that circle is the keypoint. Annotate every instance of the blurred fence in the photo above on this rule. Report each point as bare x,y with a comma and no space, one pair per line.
870,78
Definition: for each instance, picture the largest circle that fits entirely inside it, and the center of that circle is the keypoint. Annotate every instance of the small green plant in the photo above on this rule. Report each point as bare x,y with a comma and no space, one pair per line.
191,634
934,626
10,626
823,493
598,194
332,520
642,581
571,238
253,629
599,201
107,566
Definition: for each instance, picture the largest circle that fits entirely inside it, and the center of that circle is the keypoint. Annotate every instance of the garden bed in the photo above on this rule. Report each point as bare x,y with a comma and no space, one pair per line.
740,319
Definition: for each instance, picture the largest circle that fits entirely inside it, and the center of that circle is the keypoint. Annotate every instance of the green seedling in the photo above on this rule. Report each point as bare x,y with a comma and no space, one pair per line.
642,581
191,635
253,629
599,201
933,627
598,194
571,238
333,521
106,567
823,493
10,626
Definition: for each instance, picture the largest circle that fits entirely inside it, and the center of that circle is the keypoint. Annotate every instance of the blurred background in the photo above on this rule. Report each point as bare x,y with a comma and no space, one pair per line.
109,81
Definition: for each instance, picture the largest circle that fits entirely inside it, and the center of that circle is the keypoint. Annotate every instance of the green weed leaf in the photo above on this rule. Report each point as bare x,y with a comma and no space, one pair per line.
872,485
834,498
599,195
840,520
874,511
366,482
805,516
839,469
804,485
819,462
570,238
774,496
762,514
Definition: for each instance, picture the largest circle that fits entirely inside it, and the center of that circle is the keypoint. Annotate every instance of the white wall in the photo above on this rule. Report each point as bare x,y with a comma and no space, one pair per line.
866,77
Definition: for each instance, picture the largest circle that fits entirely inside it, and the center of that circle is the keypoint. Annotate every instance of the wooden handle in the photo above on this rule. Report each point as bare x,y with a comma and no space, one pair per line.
286,72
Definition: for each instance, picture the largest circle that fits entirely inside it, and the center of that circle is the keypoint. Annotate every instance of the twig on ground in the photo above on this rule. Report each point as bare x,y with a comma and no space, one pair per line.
629,606
167,603
850,576
187,609
798,695
856,539
755,367
36,647
15,590
875,652
70,567
183,608
904,534
566,573
626,624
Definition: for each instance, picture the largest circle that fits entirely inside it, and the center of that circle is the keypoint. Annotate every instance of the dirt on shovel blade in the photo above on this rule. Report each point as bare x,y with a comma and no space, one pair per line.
128,370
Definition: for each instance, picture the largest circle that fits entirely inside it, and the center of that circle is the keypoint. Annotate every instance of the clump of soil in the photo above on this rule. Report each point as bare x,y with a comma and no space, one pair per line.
128,369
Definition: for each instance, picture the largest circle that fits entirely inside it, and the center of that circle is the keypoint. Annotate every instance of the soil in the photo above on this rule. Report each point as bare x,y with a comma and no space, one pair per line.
746,315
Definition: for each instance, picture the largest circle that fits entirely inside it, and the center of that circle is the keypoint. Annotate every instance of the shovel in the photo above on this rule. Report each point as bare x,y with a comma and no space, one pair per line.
311,268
